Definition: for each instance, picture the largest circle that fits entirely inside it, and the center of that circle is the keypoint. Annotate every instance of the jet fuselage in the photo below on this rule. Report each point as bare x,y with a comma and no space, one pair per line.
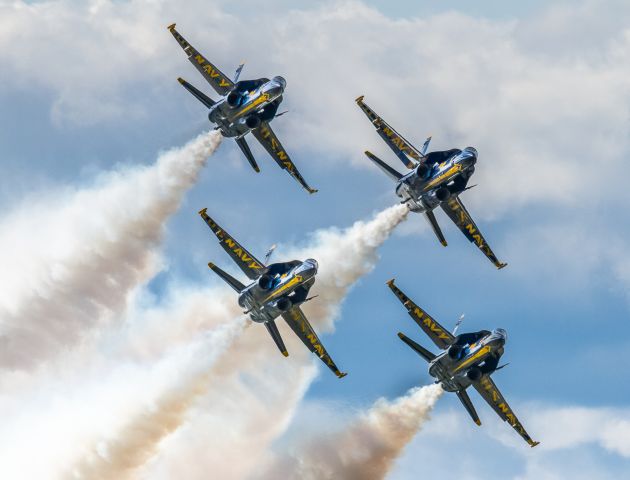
271,295
242,110
456,371
441,180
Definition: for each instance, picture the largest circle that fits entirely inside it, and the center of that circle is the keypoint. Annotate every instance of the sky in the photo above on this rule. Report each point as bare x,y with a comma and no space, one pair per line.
89,102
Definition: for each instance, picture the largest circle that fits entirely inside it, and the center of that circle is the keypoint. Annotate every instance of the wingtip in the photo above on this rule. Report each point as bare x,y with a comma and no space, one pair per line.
341,374
203,211
401,335
312,190
390,282
533,444
171,27
444,243
285,353
501,265
359,99
478,422
181,80
211,265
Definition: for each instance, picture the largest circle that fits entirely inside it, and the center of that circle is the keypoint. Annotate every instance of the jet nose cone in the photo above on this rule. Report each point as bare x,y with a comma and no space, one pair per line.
312,265
280,81
501,335
468,157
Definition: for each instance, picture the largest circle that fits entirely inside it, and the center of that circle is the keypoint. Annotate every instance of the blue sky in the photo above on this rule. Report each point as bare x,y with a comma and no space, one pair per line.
540,89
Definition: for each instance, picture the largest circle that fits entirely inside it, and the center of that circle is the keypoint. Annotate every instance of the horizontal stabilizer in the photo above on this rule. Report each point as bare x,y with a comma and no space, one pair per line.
272,328
198,94
419,349
436,227
229,279
470,408
247,152
389,171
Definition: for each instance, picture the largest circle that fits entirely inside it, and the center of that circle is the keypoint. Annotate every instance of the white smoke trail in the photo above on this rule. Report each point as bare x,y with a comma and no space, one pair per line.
111,417
255,390
118,458
366,448
73,268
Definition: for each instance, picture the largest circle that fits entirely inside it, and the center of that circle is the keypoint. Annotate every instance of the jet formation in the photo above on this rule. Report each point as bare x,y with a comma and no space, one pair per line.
433,179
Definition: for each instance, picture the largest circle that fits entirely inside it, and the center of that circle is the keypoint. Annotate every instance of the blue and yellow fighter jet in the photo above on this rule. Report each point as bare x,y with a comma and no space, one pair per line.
245,106
277,289
436,179
466,359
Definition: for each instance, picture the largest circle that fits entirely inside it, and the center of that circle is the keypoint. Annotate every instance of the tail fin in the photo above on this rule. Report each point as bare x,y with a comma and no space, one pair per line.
436,227
227,278
247,152
468,405
425,146
198,94
272,328
389,171
419,349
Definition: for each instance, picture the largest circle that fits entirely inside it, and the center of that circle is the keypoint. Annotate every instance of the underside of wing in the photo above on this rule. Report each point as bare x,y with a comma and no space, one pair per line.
436,332
491,394
303,329
456,211
264,134
215,77
251,266
399,145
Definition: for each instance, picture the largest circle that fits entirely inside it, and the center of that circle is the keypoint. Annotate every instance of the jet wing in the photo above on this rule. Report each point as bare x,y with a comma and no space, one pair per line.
401,147
264,134
455,209
252,267
300,325
436,332
215,77
491,394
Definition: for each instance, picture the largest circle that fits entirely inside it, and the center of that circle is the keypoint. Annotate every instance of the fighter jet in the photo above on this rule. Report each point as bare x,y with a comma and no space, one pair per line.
466,359
435,179
277,289
245,106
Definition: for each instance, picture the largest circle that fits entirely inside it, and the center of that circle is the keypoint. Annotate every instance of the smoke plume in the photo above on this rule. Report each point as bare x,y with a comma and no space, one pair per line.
75,265
119,457
367,447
